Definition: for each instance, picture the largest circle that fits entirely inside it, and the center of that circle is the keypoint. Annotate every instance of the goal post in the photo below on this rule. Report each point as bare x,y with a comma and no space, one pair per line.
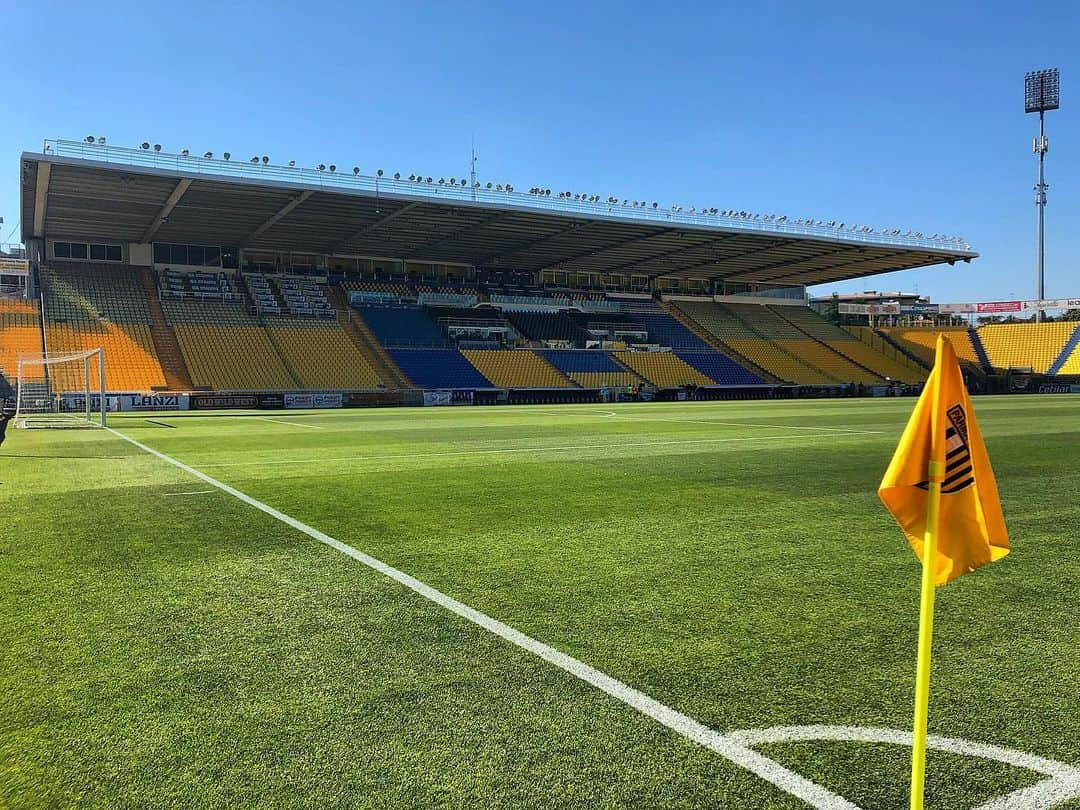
62,391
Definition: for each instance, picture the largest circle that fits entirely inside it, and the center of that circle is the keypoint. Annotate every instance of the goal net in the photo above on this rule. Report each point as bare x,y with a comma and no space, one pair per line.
63,391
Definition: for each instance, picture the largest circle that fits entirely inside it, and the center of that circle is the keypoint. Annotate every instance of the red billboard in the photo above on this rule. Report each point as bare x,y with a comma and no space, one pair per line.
999,306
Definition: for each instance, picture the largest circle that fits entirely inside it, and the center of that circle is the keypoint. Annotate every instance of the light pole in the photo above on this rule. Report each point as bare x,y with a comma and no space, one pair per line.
1041,93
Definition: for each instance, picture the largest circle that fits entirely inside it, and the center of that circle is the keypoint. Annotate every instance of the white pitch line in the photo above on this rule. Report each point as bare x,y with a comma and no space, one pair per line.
290,424
196,492
497,451
606,414
635,418
725,745
763,425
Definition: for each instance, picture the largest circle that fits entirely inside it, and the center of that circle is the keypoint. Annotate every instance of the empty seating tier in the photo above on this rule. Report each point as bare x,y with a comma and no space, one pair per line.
833,367
130,362
590,369
922,341
732,330
1072,363
666,331
663,369
224,347
402,326
20,336
321,355
90,306
517,369
850,347
438,368
1025,345
231,357
719,367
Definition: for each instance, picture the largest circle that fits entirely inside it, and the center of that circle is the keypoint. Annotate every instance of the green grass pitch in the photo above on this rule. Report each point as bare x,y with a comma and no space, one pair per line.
166,644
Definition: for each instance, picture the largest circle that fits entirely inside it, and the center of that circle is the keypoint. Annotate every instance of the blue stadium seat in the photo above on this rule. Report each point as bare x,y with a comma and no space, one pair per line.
580,361
402,326
667,331
438,368
721,368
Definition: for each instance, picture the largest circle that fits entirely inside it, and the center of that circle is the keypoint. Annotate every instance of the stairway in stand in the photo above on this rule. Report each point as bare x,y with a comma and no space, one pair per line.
365,341
177,376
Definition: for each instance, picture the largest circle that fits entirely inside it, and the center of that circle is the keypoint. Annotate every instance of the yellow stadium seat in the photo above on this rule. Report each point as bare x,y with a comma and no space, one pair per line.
1072,363
872,365
922,340
750,330
321,355
663,369
90,306
20,334
516,369
1025,345
231,357
130,362
834,365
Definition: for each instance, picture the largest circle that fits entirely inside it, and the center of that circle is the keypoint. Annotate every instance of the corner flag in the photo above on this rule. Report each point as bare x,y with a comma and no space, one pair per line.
942,430
941,490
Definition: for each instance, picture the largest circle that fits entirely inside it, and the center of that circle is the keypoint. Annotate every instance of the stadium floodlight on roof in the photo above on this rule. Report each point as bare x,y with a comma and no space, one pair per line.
1042,92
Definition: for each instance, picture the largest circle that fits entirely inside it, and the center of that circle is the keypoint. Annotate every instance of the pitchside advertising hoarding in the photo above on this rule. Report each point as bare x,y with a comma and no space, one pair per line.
313,400
126,402
1059,388
76,402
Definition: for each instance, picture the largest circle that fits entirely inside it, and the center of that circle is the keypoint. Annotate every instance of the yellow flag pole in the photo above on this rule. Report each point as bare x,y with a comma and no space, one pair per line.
935,475
926,636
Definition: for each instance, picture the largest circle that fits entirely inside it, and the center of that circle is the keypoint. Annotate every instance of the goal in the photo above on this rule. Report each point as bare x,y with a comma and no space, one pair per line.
63,391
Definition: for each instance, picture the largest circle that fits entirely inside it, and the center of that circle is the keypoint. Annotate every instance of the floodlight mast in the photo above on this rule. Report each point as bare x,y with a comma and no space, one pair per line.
1041,93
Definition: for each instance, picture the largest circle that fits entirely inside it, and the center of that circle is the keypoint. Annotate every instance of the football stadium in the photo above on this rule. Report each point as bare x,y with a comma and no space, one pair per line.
342,486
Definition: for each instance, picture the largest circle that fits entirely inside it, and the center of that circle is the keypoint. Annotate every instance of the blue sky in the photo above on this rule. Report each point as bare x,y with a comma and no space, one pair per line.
884,114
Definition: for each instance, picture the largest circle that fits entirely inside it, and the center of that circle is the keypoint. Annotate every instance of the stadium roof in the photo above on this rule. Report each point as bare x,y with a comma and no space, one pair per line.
75,190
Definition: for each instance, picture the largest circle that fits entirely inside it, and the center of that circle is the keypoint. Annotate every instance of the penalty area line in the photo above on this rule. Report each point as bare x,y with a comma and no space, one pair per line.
727,746
283,422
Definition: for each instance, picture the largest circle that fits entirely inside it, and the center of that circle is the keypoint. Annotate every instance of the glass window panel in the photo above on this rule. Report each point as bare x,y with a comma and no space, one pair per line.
78,250
161,253
62,250
178,254
195,254
213,257
97,253
114,253
230,258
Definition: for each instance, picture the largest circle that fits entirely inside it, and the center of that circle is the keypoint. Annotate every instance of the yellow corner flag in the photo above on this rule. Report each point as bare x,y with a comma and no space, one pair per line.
943,429
941,490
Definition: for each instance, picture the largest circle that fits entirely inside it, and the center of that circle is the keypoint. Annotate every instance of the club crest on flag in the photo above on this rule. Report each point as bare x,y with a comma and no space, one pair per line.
958,467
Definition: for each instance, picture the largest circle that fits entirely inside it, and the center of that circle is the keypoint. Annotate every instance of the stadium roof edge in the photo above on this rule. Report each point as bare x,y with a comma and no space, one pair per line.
95,191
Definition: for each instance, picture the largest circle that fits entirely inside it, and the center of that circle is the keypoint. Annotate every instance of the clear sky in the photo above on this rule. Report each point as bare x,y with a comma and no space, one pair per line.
886,114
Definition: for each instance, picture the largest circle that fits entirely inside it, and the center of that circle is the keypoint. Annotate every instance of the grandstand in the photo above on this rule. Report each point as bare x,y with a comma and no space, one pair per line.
20,336
496,290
